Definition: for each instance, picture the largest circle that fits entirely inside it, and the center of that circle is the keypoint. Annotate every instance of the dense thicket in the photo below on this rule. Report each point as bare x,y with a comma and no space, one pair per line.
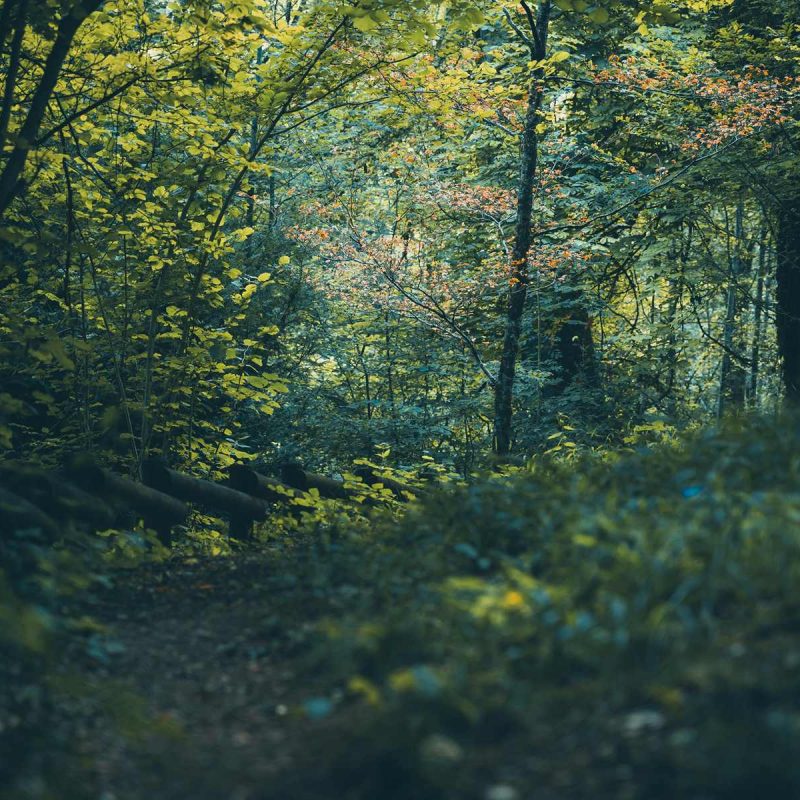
438,229
338,255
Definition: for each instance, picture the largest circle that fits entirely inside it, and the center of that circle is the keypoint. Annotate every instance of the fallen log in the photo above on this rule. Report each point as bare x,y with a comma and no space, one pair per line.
55,495
82,505
247,480
159,510
19,514
295,476
241,509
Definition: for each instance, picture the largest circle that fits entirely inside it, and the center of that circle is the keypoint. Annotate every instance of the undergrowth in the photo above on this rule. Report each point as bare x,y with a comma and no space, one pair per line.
605,625
619,625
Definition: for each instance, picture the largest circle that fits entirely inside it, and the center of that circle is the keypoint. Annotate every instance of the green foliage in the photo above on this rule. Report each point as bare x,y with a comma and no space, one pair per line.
40,581
631,619
262,231
265,230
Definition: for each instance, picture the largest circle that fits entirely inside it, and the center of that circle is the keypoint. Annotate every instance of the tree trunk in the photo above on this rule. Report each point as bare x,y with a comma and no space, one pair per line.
787,276
13,63
574,344
504,388
676,286
755,353
732,372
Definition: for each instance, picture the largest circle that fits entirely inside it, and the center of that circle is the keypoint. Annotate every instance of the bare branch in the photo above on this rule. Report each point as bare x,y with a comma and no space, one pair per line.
531,44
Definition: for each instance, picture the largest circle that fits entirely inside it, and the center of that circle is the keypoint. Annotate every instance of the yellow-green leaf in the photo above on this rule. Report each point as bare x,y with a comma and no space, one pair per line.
365,23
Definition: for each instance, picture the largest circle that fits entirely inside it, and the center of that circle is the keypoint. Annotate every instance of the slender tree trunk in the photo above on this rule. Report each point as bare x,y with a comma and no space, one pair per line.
787,276
273,211
732,375
13,67
673,296
390,381
755,352
251,195
676,286
504,388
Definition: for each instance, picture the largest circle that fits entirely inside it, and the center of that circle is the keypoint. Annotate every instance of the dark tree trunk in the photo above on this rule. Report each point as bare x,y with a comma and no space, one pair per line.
787,276
13,63
11,183
504,388
562,340
574,345
732,369
676,286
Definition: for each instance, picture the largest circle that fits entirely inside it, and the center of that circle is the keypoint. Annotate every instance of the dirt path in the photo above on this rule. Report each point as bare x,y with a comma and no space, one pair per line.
197,679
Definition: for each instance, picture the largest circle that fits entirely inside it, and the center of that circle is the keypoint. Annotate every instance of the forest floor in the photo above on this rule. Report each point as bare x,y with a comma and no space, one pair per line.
619,627
189,688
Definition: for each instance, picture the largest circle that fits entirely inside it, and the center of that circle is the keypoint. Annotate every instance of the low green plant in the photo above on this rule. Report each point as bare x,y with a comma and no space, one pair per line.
607,626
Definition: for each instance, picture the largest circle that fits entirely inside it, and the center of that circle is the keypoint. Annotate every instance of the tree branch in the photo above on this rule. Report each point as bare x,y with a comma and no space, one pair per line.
530,43
533,25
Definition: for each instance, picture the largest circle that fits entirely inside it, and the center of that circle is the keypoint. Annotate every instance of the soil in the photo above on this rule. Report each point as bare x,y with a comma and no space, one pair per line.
198,683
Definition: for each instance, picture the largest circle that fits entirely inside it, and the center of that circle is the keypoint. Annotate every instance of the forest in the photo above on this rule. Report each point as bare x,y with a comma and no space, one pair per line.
399,399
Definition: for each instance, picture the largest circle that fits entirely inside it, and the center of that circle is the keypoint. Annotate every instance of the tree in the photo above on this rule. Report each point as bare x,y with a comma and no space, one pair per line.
536,40
15,18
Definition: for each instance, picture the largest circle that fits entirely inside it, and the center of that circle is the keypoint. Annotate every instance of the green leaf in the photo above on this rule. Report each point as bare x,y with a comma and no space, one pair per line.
365,24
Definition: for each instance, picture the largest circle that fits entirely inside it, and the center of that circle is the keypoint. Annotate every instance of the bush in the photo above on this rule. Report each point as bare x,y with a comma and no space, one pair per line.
616,626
